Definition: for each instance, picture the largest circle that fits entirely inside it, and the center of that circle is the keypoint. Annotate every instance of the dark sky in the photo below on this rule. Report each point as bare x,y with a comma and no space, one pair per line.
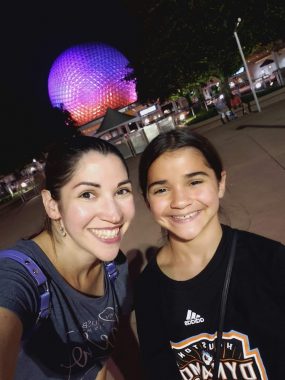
33,34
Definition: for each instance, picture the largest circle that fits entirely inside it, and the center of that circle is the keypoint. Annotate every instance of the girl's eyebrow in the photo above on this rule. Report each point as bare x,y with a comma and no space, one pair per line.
161,182
97,185
188,175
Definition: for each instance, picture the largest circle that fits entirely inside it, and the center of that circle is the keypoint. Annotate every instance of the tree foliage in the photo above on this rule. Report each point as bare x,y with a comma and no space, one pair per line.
186,41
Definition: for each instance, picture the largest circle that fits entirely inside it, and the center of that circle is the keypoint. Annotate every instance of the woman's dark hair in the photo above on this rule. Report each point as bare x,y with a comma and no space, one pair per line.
171,141
64,156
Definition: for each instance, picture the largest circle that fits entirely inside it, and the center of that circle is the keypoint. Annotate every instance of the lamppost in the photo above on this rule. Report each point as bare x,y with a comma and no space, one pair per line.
245,65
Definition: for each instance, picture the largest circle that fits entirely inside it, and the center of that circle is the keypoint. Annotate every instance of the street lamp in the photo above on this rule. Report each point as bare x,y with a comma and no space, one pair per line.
245,65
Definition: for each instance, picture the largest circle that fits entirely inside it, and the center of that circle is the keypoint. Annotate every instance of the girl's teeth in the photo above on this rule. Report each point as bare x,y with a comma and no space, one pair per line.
184,217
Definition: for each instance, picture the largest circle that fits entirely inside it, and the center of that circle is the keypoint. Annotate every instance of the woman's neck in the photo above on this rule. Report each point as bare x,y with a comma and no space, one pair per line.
86,277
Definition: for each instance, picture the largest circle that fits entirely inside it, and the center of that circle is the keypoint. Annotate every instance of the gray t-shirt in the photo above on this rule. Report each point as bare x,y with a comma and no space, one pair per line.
79,334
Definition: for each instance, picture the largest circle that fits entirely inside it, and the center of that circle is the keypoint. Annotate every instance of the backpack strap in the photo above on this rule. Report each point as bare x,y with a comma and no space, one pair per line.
112,270
37,275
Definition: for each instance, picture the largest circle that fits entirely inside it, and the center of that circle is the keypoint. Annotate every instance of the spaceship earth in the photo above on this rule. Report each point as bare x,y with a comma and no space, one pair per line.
88,78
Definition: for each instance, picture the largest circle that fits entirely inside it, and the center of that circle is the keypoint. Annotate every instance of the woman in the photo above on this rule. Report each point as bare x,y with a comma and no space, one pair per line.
210,305
89,205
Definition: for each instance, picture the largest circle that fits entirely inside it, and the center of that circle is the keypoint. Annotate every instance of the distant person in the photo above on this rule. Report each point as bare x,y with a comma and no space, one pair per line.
236,102
210,304
222,109
89,205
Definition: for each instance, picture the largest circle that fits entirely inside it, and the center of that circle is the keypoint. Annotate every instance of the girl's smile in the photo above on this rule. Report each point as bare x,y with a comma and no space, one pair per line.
184,199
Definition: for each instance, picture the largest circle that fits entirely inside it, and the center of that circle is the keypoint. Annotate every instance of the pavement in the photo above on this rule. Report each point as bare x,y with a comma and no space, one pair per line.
253,150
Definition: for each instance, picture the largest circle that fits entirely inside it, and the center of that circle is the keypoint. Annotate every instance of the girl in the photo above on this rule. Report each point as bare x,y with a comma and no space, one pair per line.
210,305
89,204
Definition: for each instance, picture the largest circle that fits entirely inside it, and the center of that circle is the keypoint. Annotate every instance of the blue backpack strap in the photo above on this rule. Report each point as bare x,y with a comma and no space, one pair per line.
112,270
38,276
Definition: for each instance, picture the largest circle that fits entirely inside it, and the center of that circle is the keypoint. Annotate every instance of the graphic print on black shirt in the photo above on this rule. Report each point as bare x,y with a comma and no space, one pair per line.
195,358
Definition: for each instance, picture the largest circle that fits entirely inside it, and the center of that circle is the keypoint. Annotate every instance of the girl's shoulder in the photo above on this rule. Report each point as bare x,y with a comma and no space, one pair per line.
253,240
258,249
259,242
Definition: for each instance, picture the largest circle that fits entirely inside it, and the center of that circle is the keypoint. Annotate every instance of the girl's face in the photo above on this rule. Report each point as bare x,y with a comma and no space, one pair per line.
97,205
183,193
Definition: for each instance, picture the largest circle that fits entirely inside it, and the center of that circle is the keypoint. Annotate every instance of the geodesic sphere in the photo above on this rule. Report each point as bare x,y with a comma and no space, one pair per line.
86,79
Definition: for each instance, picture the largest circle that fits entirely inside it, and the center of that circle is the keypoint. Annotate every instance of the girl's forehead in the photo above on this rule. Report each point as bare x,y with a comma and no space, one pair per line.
187,154
180,162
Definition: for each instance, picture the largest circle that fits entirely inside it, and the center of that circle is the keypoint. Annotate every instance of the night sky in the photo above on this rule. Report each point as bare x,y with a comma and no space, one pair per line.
33,34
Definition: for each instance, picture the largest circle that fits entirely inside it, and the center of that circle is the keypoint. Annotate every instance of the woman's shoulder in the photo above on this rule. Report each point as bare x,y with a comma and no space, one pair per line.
18,289
26,246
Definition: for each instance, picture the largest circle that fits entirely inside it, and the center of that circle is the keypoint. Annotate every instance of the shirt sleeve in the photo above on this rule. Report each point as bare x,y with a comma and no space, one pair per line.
158,360
18,292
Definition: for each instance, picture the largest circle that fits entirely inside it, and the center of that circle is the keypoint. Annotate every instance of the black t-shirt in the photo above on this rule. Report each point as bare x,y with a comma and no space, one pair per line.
79,334
178,320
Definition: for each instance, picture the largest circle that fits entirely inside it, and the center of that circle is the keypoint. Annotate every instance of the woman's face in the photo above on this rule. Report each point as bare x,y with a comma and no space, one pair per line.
183,193
97,205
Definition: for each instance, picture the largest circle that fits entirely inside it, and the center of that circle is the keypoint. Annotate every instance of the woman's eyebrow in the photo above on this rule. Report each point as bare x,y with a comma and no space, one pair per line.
93,184
126,182
97,185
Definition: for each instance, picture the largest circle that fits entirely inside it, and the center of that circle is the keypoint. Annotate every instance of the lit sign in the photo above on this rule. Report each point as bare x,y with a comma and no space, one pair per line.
148,110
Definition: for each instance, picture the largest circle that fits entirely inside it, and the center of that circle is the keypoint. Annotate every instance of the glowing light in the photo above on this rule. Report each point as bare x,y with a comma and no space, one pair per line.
86,79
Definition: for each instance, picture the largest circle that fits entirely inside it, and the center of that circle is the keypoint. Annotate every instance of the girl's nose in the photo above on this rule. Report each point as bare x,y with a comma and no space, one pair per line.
180,198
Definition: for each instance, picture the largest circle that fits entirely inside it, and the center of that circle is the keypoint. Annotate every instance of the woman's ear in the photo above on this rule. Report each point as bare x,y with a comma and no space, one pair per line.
222,184
50,205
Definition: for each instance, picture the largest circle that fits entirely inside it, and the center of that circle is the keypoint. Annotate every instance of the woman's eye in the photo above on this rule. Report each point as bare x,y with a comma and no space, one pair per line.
87,195
124,191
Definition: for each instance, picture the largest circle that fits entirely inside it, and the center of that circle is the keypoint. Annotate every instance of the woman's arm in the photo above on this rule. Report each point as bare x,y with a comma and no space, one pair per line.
101,375
10,339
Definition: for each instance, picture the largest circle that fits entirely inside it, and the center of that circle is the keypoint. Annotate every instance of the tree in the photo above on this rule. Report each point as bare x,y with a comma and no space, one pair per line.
185,41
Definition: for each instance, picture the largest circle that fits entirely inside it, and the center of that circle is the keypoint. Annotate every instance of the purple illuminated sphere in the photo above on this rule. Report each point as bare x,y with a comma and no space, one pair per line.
86,79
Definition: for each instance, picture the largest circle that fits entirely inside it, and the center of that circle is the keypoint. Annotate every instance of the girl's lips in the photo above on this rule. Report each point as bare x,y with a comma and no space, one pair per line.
185,217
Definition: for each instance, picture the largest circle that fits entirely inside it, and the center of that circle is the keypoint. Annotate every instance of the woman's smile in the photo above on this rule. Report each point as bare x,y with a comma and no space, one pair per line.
107,234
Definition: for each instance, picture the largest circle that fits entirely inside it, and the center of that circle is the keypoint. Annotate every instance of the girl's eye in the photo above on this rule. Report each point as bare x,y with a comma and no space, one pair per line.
159,191
195,182
87,195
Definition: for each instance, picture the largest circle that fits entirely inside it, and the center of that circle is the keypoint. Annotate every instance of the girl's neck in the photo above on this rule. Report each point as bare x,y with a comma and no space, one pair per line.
183,260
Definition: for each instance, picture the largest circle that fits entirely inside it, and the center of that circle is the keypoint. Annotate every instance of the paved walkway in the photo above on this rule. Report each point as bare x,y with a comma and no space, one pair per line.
253,150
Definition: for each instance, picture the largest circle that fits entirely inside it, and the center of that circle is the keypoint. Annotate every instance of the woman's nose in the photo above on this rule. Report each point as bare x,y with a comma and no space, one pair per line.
111,211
